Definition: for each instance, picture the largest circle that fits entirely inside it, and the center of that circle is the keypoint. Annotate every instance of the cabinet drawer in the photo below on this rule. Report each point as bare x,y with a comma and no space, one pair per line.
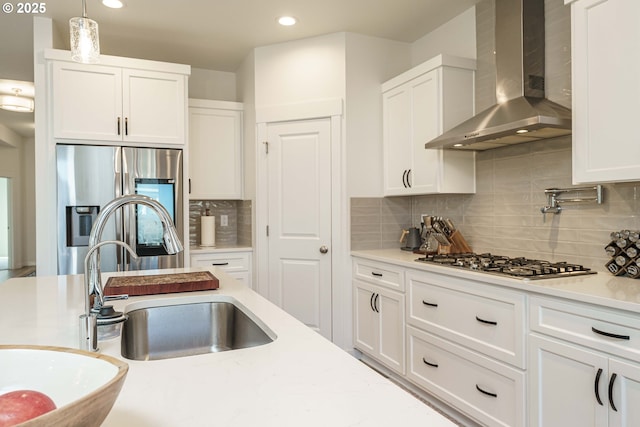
487,391
379,273
602,329
485,318
228,261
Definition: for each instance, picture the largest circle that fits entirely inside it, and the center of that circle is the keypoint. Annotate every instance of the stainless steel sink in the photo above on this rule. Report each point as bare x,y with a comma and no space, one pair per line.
169,331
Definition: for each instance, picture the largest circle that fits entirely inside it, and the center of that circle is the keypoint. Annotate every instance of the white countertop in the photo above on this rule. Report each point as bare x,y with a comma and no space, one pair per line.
219,249
602,288
300,379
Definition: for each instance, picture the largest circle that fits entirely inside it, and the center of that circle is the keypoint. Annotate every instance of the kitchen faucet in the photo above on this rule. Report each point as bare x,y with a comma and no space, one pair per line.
93,283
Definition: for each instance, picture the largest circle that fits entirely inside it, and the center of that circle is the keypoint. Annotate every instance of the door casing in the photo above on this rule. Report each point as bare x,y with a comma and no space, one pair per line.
341,299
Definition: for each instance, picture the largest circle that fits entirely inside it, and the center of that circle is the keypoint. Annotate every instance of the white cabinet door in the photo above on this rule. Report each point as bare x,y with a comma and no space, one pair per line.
154,108
418,106
109,103
87,101
390,307
625,394
606,90
396,106
379,324
567,383
426,125
215,150
366,319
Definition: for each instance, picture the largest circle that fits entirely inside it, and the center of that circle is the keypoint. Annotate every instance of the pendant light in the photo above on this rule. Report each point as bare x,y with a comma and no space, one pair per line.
16,102
85,44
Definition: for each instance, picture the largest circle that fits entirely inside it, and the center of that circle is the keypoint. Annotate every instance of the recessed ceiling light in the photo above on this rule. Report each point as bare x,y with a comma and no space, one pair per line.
113,4
287,21
522,131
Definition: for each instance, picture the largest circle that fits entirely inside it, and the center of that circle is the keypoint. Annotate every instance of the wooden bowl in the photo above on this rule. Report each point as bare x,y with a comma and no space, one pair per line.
83,385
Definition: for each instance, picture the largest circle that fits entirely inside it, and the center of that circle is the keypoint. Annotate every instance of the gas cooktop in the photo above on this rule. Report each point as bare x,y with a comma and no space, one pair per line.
505,266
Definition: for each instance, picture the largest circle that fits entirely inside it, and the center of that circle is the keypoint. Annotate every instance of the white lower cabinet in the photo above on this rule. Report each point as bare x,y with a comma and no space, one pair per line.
488,391
574,381
466,345
485,318
501,356
235,264
379,324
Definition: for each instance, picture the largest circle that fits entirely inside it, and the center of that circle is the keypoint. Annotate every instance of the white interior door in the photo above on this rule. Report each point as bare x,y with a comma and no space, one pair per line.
299,223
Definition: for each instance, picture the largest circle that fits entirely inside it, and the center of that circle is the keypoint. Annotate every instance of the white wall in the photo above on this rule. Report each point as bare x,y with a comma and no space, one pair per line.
4,217
300,71
246,76
211,84
10,167
28,208
370,62
456,37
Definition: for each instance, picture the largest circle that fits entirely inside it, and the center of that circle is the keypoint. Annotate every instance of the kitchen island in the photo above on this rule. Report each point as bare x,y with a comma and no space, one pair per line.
298,379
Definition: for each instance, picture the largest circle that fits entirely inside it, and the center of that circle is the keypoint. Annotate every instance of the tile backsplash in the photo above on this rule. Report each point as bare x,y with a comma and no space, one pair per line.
238,230
504,217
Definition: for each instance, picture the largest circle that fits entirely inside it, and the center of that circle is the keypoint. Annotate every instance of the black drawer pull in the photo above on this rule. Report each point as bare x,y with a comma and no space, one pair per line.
596,386
610,335
485,392
486,322
219,263
611,381
430,304
433,365
376,274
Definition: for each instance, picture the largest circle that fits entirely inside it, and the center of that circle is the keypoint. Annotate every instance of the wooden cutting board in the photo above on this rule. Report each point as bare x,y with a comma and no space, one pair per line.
161,283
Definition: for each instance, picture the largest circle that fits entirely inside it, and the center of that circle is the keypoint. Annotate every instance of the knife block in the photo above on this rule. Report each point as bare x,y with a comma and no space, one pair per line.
458,245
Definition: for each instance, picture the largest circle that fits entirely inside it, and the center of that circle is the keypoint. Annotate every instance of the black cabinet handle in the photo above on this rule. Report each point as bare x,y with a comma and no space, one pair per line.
596,385
375,303
610,335
189,185
611,381
371,302
433,365
219,263
487,322
485,392
408,175
376,274
118,125
404,178
126,125
430,304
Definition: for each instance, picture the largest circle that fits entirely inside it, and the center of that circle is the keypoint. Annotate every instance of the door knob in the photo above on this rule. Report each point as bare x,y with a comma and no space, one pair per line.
324,249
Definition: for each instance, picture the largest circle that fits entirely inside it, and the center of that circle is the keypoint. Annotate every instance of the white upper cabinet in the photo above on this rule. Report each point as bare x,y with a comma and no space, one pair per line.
215,150
606,90
108,102
419,105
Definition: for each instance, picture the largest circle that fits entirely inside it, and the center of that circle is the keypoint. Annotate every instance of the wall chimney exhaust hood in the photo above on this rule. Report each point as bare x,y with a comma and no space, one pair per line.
522,113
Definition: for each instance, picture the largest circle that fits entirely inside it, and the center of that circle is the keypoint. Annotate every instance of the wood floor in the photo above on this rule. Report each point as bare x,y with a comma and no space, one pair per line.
18,272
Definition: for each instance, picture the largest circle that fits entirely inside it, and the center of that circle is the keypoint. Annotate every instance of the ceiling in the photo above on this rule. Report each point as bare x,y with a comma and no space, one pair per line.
213,34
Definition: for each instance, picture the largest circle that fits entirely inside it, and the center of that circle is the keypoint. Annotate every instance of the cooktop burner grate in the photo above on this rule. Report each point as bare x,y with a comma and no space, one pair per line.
515,267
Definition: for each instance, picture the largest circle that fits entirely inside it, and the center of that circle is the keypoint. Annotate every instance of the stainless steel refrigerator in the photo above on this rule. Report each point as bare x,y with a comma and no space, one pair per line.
91,176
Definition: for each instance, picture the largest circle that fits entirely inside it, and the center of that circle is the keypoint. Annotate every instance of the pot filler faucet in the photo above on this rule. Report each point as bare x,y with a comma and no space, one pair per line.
92,278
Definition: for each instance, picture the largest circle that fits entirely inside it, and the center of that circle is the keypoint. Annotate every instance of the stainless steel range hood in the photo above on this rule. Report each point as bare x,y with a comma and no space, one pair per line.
522,113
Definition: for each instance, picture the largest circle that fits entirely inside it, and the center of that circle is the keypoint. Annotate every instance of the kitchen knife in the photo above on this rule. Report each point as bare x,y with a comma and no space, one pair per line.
450,226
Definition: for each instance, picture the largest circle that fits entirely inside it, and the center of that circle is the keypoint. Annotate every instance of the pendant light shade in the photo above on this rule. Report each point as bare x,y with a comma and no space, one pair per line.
85,44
